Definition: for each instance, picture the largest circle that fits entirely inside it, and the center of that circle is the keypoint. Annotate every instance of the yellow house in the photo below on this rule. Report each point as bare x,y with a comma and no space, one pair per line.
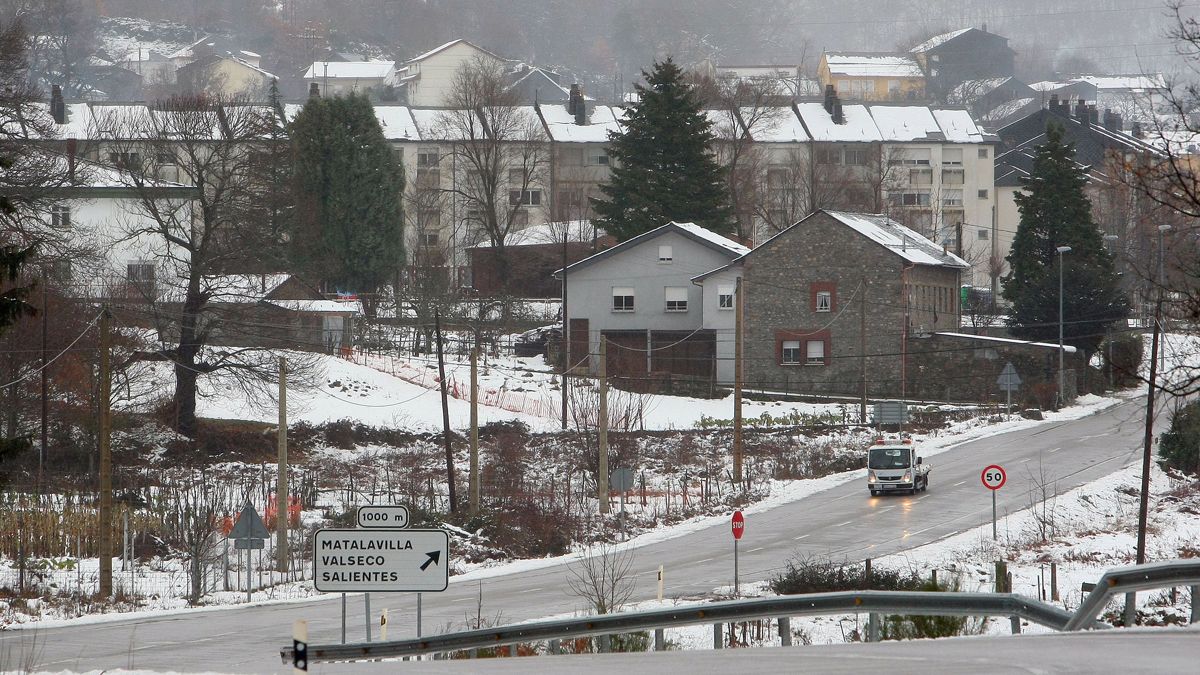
872,76
226,75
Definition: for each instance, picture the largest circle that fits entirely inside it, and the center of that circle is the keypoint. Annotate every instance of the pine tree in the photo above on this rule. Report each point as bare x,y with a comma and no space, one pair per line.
1056,212
664,167
350,225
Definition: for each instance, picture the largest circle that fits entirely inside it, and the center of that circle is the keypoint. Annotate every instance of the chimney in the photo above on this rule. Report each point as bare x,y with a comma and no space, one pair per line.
1081,112
830,97
838,118
58,108
72,147
1136,131
1112,120
1093,115
1053,103
577,106
314,90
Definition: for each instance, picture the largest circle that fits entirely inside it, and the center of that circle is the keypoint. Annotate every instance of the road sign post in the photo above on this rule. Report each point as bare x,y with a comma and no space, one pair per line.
738,525
993,478
380,561
1009,381
621,480
249,533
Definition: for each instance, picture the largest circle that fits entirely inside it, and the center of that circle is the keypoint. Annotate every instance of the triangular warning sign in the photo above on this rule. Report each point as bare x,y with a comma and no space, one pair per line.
249,525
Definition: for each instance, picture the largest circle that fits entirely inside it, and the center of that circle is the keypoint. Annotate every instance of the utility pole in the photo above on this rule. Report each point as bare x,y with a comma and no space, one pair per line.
437,325
862,350
602,418
105,515
737,382
281,487
566,336
1147,446
41,477
474,477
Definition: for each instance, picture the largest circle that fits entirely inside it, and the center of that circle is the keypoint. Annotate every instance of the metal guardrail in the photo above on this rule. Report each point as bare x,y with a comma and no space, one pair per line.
1119,580
1137,578
816,604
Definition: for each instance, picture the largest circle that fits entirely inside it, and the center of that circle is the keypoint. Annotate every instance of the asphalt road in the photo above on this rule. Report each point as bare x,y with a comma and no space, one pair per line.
843,522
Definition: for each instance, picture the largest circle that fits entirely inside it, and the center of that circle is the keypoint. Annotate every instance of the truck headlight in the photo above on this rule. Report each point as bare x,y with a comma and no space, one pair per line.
871,477
907,476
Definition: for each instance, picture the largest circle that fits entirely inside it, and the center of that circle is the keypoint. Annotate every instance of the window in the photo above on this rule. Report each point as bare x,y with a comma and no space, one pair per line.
912,199
429,238
953,176
398,153
777,178
983,194
427,157
125,160
920,176
677,298
824,301
622,299
60,216
912,157
893,88
141,277
524,197
724,297
856,156
983,235
664,254
596,157
790,353
815,352
570,204
428,178
952,198
829,156
952,157
983,153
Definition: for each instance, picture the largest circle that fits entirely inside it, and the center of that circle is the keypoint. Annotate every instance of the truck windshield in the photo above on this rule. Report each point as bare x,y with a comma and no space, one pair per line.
888,458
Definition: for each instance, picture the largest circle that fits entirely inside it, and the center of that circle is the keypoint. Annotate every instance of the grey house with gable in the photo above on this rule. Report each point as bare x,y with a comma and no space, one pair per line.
639,295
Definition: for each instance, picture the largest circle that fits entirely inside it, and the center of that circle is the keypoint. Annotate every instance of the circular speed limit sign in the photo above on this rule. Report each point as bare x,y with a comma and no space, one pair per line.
993,477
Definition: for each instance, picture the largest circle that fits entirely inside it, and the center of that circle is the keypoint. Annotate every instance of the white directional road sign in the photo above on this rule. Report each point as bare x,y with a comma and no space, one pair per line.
389,515
380,561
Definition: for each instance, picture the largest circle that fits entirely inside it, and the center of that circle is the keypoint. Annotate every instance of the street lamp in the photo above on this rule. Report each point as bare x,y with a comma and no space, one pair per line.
1112,384
1061,250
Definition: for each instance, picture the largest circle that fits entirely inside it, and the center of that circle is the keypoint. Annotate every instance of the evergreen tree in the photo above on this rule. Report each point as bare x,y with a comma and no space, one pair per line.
664,167
1056,212
350,225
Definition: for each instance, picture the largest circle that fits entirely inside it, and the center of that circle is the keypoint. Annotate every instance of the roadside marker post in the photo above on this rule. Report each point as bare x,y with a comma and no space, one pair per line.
300,646
738,524
993,478
660,583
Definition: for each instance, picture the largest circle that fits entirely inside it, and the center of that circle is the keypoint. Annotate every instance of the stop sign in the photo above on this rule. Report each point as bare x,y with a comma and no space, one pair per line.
739,524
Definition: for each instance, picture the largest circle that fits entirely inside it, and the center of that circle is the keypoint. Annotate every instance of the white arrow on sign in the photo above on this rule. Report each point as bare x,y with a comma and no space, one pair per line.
381,561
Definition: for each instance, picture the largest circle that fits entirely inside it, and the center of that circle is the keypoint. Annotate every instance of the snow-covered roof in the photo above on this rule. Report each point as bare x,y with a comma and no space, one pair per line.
712,237
898,239
938,41
777,125
397,122
1005,110
561,124
317,306
446,46
906,123
968,91
350,70
243,287
578,231
987,338
872,64
958,126
858,125
1130,82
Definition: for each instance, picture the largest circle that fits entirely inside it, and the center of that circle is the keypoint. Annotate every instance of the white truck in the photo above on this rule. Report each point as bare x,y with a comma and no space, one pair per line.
896,467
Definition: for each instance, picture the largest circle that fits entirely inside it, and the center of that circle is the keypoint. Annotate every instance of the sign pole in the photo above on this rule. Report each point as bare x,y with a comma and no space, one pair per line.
418,615
343,618
249,560
735,568
994,536
367,613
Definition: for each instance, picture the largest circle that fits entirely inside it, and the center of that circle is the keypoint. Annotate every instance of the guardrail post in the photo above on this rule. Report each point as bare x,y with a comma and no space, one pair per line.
552,648
1054,581
1015,622
1195,604
785,631
603,645
660,642
718,636
1002,577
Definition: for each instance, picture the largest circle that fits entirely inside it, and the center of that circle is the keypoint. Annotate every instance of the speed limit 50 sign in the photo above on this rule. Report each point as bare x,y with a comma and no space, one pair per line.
993,477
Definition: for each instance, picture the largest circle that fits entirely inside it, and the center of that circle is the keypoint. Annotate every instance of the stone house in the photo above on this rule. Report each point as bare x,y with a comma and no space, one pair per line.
830,302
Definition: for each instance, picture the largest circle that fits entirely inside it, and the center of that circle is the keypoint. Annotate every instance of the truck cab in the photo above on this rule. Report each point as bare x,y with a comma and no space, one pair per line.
896,467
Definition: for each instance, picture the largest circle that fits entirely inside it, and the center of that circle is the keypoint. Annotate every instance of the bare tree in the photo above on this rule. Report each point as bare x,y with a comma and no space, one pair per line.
499,154
63,38
603,578
207,143
193,523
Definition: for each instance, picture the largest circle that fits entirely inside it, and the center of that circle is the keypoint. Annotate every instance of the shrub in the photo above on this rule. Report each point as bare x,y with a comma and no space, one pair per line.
808,575
1127,354
1179,447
